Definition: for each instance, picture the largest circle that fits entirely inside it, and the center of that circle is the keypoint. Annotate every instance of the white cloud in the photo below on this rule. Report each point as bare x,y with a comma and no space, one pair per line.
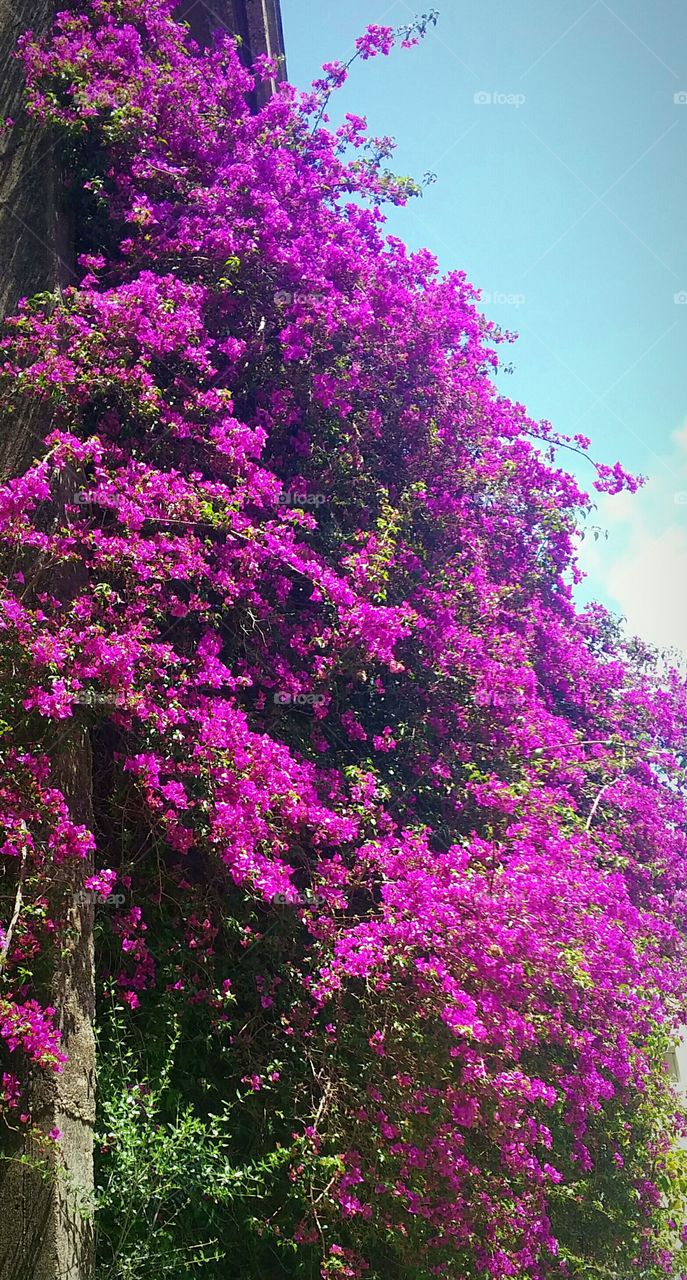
640,568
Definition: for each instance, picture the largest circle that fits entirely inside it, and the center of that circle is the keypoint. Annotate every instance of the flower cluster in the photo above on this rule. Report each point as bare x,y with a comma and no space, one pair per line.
471,800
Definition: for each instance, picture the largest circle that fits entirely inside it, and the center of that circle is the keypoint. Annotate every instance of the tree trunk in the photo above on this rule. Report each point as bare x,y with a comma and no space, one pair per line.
46,1218
45,1224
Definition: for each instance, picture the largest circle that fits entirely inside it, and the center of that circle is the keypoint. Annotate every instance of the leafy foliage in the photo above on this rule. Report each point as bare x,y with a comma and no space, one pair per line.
400,833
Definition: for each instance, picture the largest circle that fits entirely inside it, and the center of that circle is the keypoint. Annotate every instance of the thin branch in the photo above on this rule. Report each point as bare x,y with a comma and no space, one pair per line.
16,913
597,802
602,792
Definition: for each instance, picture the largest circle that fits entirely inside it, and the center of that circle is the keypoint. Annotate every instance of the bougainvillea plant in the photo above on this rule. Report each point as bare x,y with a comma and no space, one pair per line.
377,806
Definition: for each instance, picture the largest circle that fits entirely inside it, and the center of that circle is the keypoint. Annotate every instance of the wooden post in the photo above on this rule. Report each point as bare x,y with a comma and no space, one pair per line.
257,23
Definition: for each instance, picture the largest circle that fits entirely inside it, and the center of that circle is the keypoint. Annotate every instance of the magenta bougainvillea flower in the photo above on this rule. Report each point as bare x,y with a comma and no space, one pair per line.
315,575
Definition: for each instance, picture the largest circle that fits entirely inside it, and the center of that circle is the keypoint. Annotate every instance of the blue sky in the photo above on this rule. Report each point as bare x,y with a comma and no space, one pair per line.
563,198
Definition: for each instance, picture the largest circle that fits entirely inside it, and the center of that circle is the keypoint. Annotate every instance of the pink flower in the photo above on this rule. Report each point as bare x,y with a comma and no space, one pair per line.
375,40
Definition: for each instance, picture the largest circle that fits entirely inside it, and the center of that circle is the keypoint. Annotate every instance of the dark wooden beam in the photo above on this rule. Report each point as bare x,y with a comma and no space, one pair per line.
257,23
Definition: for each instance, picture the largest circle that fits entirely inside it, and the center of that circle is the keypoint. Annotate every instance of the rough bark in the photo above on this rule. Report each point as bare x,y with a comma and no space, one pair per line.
45,1228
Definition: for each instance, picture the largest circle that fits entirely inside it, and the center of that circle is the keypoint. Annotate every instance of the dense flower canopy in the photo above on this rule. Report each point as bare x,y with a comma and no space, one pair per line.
308,576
